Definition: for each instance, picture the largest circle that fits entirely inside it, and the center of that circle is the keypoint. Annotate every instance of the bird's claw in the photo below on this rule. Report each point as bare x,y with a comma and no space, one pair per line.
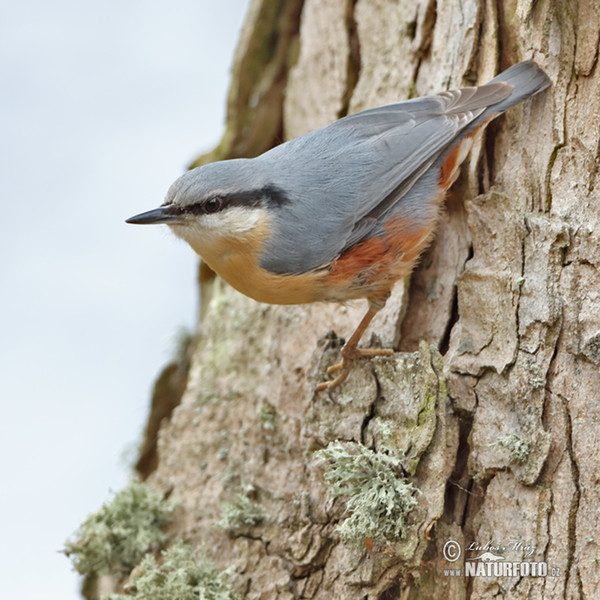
348,355
335,368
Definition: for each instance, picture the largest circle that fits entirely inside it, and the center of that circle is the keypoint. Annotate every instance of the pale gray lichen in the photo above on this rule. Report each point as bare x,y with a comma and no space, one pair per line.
116,537
517,446
241,513
537,378
178,577
379,496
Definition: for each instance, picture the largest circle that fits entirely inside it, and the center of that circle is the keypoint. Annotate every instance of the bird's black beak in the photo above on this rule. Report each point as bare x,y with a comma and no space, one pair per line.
164,214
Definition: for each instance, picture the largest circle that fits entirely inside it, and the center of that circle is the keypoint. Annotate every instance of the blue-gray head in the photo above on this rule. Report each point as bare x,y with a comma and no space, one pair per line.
215,204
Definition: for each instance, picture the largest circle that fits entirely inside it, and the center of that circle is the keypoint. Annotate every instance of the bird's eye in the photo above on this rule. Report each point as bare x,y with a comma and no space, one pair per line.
213,205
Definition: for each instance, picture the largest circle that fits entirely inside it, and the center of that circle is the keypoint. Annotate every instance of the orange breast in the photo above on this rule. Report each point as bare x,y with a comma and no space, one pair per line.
374,265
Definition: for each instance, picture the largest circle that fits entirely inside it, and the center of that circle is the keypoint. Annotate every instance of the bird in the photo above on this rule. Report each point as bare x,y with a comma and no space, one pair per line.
342,212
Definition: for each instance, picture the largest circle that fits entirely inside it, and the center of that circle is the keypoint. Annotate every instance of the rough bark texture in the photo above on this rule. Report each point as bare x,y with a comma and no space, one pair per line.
498,330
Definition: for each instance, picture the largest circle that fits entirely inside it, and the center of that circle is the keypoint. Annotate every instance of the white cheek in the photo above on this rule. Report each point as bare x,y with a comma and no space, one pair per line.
205,230
231,221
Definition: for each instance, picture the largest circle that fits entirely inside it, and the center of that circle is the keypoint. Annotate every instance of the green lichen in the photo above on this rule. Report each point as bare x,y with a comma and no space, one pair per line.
116,537
379,497
517,446
240,514
412,93
266,416
178,577
414,387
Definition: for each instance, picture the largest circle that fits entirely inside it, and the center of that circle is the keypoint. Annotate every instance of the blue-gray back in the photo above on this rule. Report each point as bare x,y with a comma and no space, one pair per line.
344,180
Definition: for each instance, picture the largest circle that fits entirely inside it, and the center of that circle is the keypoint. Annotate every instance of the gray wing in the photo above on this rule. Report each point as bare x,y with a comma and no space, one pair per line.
413,149
343,179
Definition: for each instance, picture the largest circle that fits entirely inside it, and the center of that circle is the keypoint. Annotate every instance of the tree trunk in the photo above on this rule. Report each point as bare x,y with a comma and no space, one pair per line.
492,397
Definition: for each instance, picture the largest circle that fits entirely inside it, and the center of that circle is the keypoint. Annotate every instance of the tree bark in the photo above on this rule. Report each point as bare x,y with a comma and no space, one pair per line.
493,394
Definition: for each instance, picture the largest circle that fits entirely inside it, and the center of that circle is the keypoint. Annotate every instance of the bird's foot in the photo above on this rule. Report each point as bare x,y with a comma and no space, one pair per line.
343,367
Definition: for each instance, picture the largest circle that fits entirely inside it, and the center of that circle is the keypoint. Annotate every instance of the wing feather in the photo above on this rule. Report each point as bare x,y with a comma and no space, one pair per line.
357,170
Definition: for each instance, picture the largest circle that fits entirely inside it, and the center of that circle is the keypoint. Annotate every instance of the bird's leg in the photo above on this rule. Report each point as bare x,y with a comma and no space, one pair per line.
350,351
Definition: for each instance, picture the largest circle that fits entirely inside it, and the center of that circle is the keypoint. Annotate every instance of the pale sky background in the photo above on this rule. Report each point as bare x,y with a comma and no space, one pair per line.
102,105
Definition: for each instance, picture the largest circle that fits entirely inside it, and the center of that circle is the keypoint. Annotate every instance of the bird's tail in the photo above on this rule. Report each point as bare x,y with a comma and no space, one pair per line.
526,78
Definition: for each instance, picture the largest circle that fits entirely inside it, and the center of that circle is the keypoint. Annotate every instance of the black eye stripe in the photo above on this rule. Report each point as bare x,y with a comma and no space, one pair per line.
210,206
268,195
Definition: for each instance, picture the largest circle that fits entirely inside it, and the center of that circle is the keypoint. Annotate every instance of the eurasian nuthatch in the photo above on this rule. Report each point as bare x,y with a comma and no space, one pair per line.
342,212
